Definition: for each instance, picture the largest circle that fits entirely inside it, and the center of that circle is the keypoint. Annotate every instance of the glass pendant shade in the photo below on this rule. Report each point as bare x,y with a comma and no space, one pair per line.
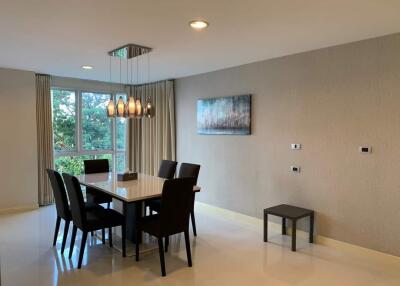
111,109
131,107
148,109
120,107
138,108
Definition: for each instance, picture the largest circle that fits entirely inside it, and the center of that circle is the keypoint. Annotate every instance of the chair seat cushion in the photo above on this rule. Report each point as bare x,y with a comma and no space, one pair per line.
103,218
97,197
150,224
155,205
89,206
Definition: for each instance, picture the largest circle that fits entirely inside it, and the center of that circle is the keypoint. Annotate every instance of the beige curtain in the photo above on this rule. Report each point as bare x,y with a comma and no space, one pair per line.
44,138
151,140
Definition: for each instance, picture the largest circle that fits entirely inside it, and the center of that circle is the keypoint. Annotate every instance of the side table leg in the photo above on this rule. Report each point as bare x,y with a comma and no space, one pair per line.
283,226
311,228
265,227
294,235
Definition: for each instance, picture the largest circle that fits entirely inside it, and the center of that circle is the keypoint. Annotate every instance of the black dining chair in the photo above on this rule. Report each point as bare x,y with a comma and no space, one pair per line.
62,205
166,171
90,221
186,170
173,218
92,167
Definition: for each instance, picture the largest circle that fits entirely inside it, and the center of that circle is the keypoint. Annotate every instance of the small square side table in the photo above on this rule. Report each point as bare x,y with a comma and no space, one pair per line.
292,213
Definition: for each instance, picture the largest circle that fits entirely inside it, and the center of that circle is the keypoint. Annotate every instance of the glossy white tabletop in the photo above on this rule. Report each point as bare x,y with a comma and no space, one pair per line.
145,187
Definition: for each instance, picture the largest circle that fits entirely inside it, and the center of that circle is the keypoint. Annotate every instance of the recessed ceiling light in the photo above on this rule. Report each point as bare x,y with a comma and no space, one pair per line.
198,24
86,67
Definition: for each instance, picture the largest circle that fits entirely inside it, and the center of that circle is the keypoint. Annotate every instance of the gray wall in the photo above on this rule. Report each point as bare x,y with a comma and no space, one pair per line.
332,101
18,151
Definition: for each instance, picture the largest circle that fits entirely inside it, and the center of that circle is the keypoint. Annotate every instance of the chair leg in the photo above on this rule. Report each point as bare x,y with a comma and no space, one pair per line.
58,221
108,205
71,247
193,223
110,236
103,235
66,227
123,229
283,226
138,233
188,253
92,233
82,250
166,243
294,235
161,251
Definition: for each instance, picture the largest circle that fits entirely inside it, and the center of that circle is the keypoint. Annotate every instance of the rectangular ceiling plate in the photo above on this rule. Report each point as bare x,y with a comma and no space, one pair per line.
129,51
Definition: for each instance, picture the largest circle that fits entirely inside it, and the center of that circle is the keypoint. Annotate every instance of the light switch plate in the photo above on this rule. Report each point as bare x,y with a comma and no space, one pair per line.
295,169
365,149
295,146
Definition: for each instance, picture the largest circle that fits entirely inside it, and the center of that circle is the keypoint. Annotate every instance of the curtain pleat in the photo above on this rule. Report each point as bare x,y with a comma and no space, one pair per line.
44,138
152,140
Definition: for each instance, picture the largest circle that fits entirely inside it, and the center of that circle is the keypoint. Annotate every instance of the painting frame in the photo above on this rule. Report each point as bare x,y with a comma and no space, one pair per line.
226,115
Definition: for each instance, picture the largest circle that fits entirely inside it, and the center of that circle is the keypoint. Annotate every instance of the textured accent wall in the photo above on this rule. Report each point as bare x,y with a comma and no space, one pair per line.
331,101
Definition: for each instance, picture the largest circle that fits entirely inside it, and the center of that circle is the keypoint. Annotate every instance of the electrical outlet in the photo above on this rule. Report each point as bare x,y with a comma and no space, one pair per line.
295,146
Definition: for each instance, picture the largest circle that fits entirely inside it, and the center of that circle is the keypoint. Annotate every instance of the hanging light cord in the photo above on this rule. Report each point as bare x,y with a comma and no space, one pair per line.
120,72
130,87
148,73
110,79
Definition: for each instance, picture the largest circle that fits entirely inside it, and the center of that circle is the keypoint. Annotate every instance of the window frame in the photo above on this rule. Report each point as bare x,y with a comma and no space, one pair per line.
79,150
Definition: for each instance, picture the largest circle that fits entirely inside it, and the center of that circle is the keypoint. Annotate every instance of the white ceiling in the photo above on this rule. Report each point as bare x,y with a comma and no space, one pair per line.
59,36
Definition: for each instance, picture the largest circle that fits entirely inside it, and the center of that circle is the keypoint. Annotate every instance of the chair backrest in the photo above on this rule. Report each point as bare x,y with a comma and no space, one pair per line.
189,170
167,169
60,194
176,204
96,166
77,203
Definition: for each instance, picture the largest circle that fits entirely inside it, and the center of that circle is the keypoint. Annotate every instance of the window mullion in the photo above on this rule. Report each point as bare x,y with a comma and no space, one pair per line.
113,137
79,122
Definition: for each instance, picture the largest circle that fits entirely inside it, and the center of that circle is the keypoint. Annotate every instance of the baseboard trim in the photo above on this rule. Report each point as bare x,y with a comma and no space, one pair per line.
17,209
319,239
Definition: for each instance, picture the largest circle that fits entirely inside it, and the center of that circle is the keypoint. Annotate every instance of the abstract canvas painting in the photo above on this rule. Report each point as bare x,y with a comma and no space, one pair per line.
230,115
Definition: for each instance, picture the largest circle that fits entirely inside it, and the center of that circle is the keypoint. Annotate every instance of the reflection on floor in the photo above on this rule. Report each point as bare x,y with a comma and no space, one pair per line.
226,252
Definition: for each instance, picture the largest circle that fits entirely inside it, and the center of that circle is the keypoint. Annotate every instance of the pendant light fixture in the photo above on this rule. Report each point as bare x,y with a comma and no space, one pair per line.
110,105
130,104
133,107
120,102
111,108
148,108
138,103
120,107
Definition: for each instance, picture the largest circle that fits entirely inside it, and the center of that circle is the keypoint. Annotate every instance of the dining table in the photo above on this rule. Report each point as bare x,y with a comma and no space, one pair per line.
132,194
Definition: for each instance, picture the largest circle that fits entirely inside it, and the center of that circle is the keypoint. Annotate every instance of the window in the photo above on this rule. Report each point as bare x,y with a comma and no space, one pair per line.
96,126
82,130
64,113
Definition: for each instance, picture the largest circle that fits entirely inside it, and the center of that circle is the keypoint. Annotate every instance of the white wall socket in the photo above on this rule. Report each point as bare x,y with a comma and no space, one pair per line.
295,169
295,146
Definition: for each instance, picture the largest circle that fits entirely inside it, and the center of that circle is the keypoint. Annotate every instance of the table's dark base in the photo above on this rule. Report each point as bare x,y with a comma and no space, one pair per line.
305,213
132,211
